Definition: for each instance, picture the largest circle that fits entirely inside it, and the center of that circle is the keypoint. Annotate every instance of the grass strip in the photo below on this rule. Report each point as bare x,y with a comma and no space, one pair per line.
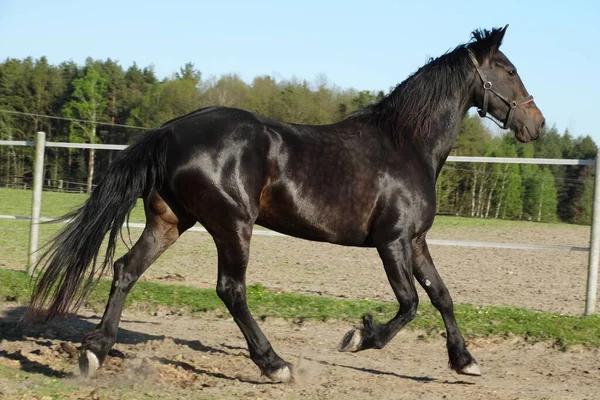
475,321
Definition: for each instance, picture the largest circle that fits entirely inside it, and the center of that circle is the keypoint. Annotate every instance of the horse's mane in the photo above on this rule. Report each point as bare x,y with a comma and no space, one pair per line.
407,111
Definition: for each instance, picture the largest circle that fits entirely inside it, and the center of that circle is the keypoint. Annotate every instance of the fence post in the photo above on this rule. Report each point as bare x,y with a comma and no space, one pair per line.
592,281
36,202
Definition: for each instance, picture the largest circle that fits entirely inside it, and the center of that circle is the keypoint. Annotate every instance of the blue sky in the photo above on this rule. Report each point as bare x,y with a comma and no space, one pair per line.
368,45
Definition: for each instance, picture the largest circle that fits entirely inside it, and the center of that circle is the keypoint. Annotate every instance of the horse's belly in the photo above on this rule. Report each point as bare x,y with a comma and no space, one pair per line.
314,218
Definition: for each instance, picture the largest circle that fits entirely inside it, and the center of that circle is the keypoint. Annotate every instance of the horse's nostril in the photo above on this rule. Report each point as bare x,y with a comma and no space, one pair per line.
543,124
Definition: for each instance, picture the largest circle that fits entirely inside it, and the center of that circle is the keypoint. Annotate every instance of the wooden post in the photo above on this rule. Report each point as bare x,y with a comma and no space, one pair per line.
36,202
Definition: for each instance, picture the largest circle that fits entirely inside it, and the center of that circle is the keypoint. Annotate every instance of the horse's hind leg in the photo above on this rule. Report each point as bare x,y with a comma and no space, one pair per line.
460,359
233,250
162,229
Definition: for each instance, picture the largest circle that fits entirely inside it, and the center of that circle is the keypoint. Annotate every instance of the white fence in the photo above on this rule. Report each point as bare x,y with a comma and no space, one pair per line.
594,250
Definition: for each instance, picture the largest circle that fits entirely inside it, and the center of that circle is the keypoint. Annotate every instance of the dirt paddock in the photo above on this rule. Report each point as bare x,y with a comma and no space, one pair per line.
552,281
205,356
180,357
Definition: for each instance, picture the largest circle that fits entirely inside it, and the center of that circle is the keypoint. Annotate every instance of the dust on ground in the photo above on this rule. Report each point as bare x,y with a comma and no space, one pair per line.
205,356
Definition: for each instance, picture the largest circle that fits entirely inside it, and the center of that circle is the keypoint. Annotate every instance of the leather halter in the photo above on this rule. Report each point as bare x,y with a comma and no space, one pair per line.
487,87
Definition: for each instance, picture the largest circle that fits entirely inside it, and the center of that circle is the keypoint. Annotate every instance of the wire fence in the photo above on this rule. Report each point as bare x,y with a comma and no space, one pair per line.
38,182
48,185
468,186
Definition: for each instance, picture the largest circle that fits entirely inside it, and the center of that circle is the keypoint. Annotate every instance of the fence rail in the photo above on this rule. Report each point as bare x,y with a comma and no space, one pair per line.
594,249
435,242
65,145
49,185
466,159
508,160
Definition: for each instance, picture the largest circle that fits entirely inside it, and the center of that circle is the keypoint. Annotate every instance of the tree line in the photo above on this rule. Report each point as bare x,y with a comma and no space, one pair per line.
102,102
542,193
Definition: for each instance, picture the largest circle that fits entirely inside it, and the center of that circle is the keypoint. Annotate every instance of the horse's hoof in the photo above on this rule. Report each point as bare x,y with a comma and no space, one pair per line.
471,369
351,341
282,375
88,364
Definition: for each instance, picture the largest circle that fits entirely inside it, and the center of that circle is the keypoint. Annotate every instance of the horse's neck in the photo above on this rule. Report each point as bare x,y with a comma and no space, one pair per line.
444,131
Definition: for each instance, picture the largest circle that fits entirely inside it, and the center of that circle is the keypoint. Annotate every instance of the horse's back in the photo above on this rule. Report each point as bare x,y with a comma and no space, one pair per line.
308,181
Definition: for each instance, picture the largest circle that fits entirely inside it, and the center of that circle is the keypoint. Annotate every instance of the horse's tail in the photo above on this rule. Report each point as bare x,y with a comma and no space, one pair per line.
63,283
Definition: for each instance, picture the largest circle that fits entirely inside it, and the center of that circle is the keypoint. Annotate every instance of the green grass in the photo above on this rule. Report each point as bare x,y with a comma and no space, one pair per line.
475,321
18,202
445,221
14,241
564,331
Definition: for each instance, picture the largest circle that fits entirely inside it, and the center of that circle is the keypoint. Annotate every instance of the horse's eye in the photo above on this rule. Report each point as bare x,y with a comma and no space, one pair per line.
512,72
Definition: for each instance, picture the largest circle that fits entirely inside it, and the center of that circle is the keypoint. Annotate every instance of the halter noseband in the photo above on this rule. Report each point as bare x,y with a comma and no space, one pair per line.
487,87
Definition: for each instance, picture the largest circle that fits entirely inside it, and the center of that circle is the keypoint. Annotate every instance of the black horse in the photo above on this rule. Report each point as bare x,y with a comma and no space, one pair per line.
368,180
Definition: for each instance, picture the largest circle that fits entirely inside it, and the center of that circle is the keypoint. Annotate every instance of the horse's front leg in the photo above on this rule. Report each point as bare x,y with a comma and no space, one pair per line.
397,261
460,359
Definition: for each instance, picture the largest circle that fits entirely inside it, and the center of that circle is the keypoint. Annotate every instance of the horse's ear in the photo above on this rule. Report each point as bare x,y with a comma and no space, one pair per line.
496,38
486,42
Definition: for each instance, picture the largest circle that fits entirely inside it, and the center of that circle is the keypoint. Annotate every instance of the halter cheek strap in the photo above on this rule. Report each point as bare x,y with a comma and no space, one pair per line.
487,88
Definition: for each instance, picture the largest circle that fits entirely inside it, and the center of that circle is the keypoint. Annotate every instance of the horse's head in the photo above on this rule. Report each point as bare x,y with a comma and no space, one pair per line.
498,89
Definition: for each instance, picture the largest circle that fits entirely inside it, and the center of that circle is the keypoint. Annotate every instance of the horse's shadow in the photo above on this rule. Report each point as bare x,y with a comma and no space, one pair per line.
422,379
72,329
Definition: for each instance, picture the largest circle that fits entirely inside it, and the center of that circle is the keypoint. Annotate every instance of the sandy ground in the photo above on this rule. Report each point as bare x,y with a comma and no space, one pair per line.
553,281
204,356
